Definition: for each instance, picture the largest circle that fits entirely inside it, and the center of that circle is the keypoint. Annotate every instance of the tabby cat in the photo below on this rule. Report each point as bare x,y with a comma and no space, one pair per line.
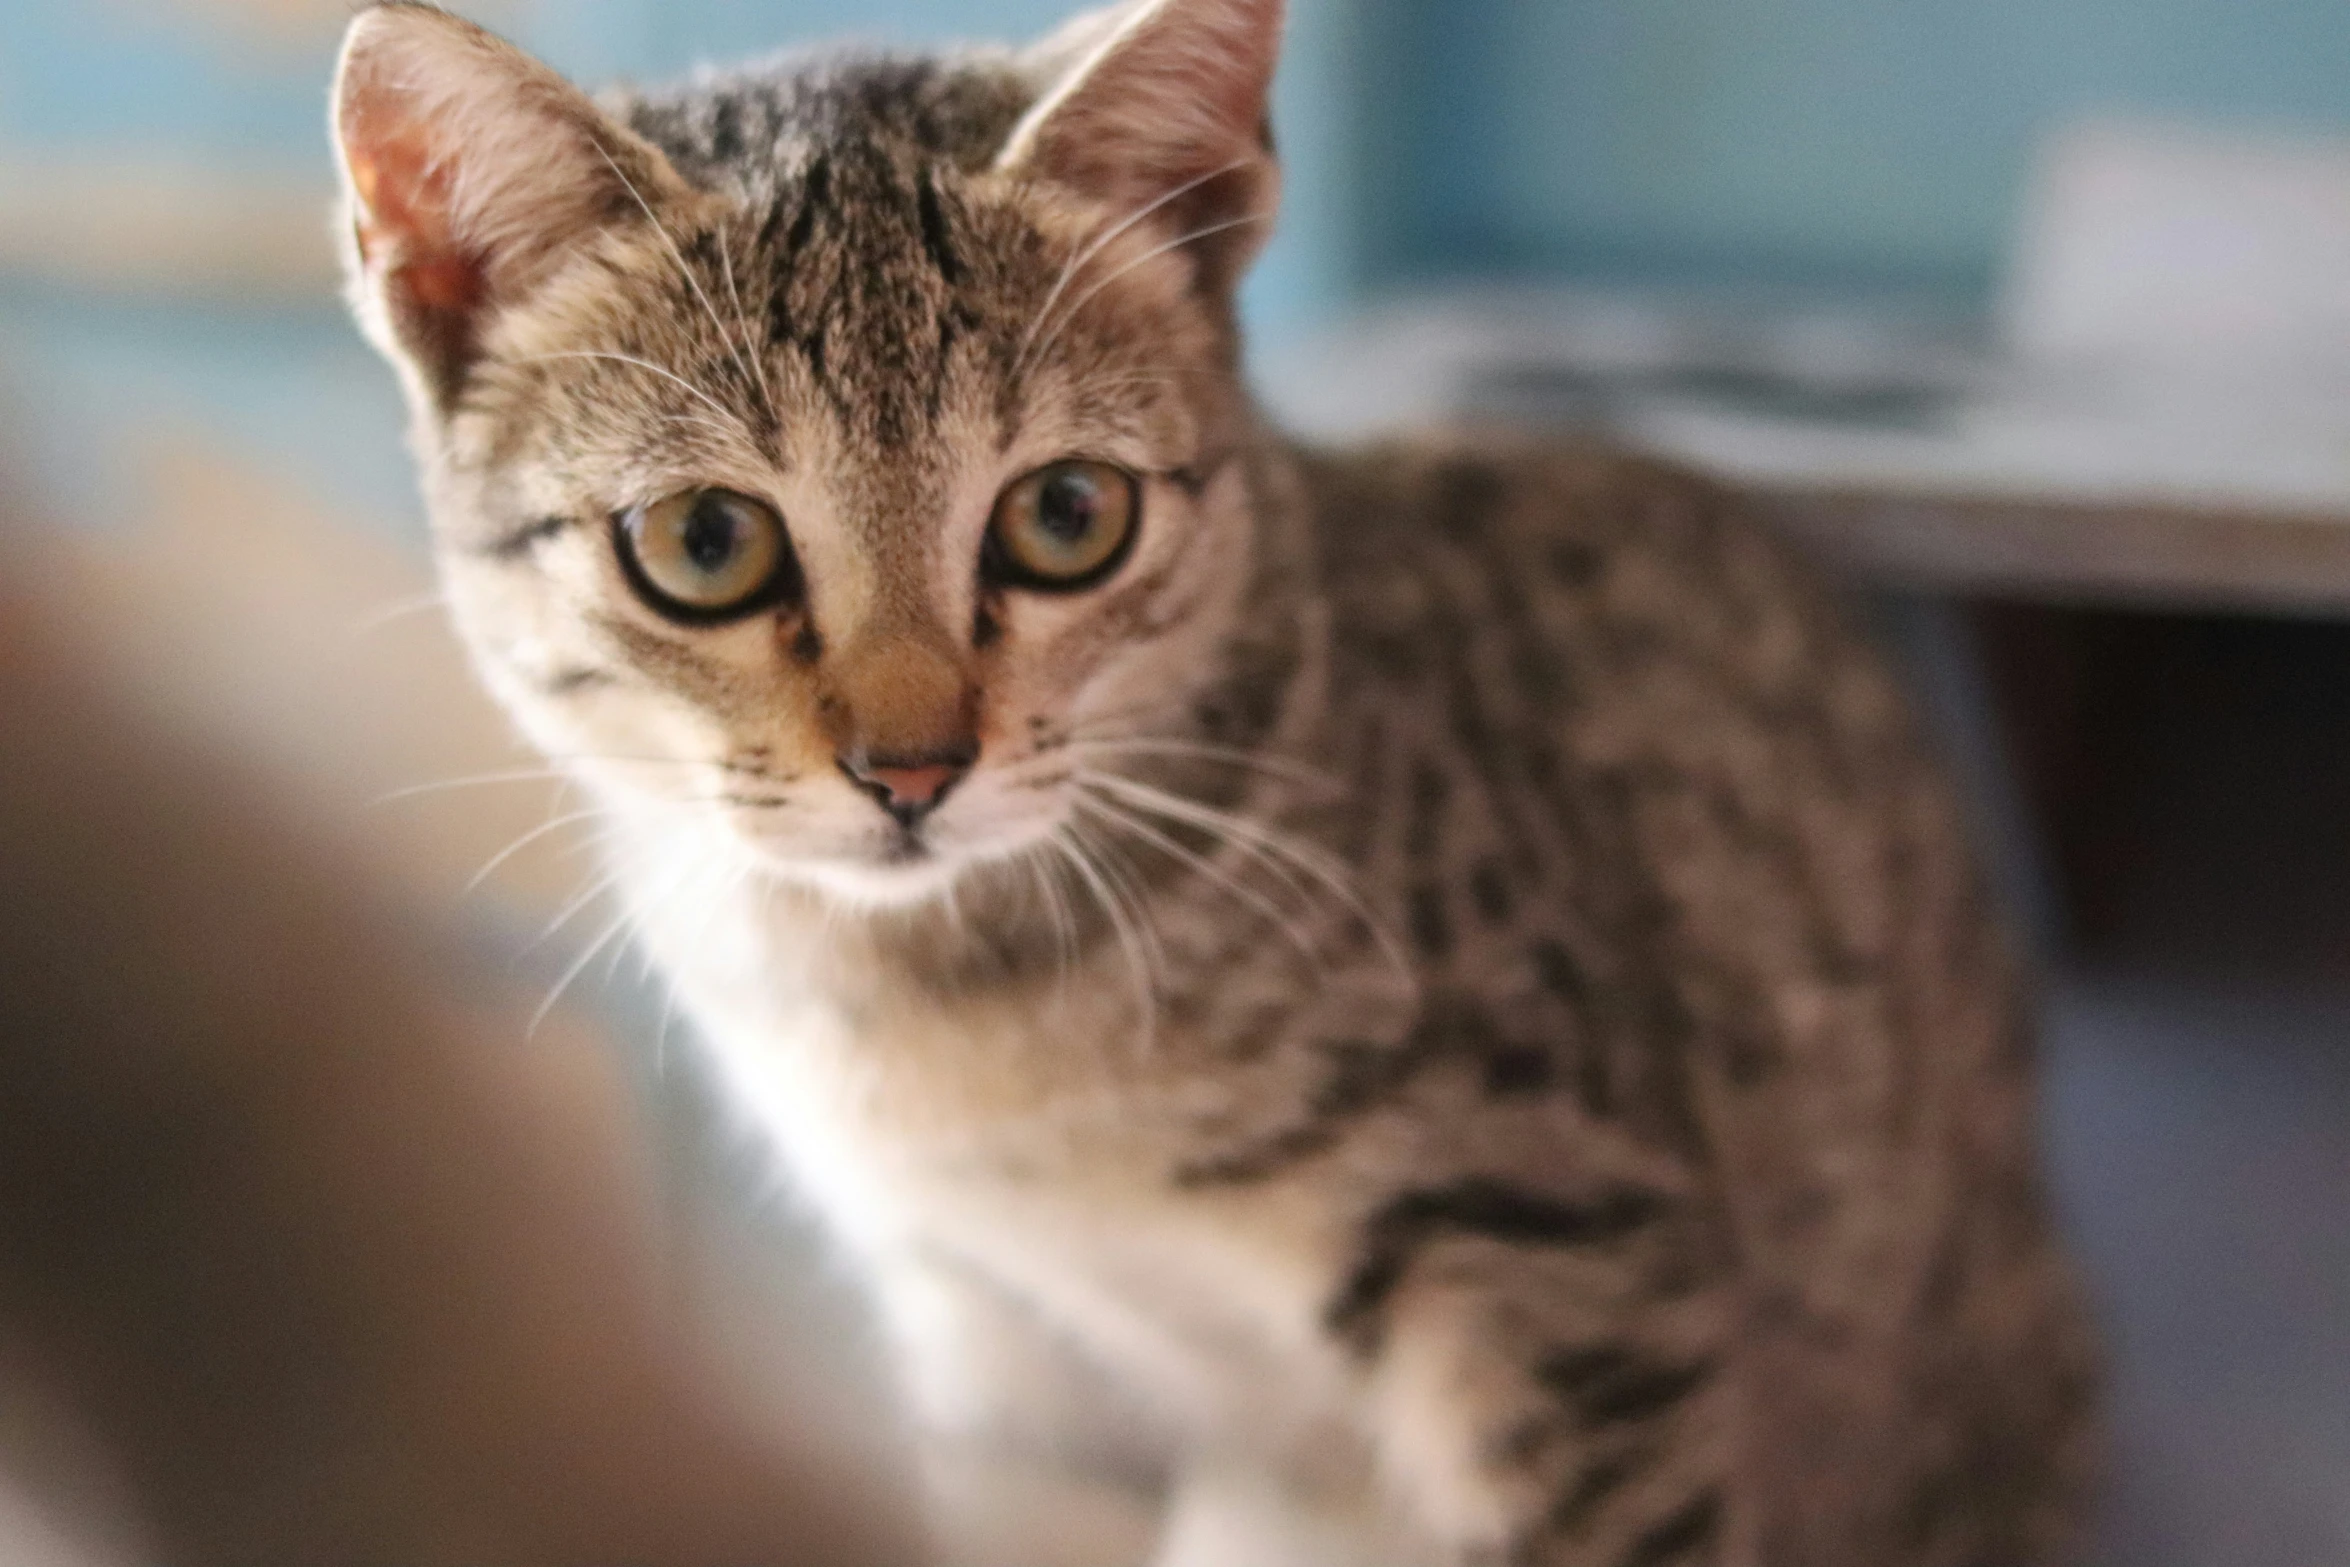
1419,1007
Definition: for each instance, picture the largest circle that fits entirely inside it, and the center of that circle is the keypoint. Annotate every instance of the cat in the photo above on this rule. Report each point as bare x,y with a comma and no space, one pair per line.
1425,1006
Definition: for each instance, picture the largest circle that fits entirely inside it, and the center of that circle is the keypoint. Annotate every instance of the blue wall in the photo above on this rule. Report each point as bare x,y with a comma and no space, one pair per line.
237,90
1799,141
103,79
599,40
153,80
1807,141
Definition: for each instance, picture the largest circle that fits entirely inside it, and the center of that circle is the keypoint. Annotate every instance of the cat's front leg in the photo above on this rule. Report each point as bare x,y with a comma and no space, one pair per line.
1030,1457
1544,1394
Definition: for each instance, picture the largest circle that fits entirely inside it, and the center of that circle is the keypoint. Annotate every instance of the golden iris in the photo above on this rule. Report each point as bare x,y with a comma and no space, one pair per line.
706,554
1066,526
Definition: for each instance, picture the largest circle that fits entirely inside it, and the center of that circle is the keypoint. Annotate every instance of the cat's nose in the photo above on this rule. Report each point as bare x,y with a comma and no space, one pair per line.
909,787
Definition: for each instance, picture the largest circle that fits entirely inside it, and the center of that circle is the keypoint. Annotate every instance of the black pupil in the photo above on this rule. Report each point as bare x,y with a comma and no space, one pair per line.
713,537
1070,505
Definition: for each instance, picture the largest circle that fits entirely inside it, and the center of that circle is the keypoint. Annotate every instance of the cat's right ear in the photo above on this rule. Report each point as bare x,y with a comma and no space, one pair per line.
469,172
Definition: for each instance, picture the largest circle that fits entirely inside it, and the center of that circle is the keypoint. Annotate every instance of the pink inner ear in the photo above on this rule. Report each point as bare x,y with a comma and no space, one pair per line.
405,217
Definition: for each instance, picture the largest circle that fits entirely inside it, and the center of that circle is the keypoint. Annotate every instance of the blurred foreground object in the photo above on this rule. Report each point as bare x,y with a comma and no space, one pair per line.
305,1247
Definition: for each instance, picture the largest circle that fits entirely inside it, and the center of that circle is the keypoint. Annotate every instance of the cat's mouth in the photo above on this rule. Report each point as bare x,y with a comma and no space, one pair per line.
898,863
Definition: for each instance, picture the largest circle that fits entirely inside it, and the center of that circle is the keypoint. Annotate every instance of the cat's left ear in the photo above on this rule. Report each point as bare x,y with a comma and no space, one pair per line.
1161,105
471,174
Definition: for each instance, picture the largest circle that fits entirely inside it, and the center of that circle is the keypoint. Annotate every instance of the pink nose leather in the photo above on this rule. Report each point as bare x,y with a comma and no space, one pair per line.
915,786
909,788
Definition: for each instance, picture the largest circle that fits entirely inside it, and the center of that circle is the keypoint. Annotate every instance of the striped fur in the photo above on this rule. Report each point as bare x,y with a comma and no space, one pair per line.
1451,1023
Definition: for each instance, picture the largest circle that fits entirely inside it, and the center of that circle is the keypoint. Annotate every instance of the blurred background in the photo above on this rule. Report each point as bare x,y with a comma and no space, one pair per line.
2032,315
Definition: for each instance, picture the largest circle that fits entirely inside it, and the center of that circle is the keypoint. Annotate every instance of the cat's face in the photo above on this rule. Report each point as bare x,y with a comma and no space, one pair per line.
852,459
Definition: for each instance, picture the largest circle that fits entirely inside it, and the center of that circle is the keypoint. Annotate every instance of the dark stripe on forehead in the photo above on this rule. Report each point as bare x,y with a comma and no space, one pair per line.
815,192
812,348
882,279
935,239
875,297
726,130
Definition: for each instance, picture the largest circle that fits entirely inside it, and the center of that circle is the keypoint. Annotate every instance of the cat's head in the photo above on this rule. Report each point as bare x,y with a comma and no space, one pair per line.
845,450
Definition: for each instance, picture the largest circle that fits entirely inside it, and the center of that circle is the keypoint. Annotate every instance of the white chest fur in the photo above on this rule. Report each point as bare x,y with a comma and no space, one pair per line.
1008,1139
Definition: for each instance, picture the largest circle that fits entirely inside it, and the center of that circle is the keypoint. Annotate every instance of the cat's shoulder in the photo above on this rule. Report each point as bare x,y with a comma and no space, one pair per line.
1548,509
1562,462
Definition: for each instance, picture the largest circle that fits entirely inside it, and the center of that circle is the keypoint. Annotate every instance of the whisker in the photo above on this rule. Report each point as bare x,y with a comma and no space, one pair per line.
1057,908
1279,918
640,919
398,610
1138,973
734,346
742,318
521,775
578,966
1231,756
1095,247
1316,863
1216,823
1206,231
1133,891
596,842
596,888
626,920
1114,383
732,425
703,422
568,819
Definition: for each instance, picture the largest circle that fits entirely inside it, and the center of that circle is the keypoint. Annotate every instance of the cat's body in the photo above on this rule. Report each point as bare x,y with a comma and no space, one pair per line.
1421,1008
1707,1100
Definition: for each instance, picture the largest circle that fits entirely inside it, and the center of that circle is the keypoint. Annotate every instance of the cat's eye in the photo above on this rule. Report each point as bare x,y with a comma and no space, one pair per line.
707,555
1064,527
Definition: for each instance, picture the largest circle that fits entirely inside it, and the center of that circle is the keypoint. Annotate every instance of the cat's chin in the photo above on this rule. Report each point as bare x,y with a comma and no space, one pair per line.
897,882
904,875
880,884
